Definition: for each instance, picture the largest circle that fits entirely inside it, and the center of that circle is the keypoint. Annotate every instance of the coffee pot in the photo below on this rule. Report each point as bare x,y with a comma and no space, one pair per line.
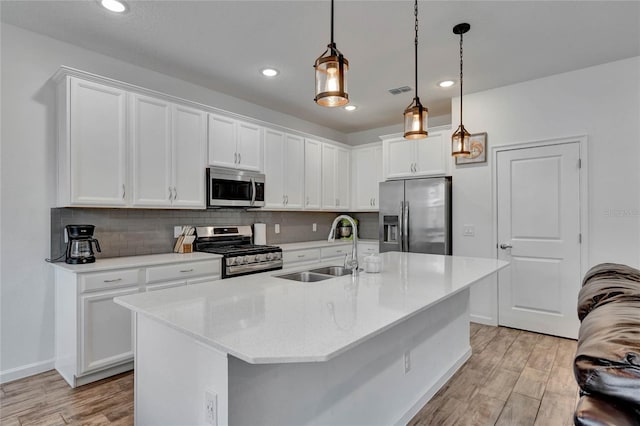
80,244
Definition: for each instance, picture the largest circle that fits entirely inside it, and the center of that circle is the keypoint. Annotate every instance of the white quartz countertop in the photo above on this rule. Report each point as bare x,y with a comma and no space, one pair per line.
263,319
135,261
320,243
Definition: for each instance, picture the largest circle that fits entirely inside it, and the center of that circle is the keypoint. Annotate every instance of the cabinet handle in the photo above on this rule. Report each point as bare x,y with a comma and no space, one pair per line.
307,200
338,251
374,202
286,200
187,270
170,194
239,158
175,193
283,201
235,158
123,191
371,201
113,281
301,256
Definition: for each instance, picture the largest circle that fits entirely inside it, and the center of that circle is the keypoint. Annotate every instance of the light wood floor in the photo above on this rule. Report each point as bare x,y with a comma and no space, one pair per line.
513,378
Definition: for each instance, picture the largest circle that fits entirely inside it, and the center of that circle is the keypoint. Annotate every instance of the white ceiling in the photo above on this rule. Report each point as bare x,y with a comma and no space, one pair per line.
222,45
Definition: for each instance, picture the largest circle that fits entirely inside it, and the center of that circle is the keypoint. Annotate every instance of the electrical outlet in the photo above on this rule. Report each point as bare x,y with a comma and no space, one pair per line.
277,228
177,230
407,362
211,408
469,230
66,235
314,227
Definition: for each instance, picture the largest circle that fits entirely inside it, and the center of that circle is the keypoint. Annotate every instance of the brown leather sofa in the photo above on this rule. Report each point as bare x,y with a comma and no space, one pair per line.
607,362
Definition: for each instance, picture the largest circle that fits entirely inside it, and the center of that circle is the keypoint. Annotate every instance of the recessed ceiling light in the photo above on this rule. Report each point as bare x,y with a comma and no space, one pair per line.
351,107
446,83
269,72
117,6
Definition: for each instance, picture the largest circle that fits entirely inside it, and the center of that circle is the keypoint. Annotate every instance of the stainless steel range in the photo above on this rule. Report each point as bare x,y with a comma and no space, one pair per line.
239,256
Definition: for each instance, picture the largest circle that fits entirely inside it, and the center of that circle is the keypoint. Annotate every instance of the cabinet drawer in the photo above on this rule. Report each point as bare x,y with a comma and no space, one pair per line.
182,270
111,279
367,249
295,256
340,251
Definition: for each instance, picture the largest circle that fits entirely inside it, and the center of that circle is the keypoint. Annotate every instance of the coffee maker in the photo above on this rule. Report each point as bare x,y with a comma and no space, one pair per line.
79,245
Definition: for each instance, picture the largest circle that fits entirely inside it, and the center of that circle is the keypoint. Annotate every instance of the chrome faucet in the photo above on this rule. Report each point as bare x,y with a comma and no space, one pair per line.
353,264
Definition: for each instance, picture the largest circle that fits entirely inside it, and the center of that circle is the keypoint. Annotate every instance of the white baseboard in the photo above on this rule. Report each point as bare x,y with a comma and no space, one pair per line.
26,370
481,319
430,392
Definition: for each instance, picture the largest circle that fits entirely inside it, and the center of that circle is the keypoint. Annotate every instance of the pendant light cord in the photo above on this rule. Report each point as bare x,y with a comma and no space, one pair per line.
332,43
415,12
461,79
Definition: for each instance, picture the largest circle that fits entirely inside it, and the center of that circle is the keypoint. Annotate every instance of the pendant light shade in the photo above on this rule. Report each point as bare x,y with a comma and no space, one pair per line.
331,75
460,139
415,116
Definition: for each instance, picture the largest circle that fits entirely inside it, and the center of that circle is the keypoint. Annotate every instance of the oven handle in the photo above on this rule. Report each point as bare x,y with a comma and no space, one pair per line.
253,191
253,266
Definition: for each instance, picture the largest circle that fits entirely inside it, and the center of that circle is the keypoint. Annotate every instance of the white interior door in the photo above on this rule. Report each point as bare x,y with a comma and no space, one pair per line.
539,233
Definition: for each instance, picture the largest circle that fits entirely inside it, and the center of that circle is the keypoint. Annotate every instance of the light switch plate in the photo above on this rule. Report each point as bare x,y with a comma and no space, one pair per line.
314,227
277,228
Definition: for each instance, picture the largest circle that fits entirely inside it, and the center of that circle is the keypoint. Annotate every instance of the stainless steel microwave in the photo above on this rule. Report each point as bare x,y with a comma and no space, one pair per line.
234,188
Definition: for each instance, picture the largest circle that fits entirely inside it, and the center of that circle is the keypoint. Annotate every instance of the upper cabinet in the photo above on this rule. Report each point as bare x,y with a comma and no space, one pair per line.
92,144
283,167
335,177
312,174
367,174
234,144
124,149
419,157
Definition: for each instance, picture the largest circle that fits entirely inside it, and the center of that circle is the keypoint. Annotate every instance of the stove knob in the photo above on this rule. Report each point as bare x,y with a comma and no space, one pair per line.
269,256
261,257
241,259
231,261
250,259
277,256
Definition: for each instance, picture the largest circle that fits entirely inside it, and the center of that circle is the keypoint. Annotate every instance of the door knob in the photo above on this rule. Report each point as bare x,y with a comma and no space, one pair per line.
504,246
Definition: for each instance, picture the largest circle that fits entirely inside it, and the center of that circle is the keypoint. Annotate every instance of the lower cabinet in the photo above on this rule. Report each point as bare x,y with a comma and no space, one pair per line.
322,253
94,335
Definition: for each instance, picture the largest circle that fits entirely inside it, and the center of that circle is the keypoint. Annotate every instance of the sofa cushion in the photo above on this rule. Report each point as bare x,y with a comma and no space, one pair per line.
605,283
607,360
600,412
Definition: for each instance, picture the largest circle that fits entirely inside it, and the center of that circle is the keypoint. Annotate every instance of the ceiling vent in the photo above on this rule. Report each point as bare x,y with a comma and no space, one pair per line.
399,90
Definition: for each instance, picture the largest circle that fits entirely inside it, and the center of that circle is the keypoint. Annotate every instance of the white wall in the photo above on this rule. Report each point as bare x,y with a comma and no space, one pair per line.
602,102
28,179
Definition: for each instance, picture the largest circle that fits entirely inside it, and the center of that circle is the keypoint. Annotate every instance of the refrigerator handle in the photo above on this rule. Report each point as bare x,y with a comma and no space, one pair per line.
401,227
405,224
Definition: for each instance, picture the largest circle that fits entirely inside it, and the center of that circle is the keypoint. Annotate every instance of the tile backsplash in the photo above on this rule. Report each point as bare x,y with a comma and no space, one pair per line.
130,232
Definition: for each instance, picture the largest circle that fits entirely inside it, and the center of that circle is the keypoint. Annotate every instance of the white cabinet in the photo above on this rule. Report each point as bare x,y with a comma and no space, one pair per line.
367,174
92,145
419,157
301,257
188,156
312,174
234,144
94,334
107,330
335,177
284,167
168,150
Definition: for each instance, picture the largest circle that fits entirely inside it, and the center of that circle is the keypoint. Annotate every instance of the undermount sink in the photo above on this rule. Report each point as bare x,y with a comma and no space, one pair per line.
336,271
305,277
318,274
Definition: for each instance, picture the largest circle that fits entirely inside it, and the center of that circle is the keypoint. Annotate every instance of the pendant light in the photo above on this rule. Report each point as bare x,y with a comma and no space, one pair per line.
460,139
331,75
415,116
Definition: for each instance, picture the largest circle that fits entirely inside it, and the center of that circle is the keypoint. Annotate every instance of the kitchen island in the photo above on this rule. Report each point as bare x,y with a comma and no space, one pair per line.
258,349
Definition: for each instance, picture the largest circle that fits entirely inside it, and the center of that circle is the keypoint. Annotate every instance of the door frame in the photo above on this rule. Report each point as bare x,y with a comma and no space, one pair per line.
582,141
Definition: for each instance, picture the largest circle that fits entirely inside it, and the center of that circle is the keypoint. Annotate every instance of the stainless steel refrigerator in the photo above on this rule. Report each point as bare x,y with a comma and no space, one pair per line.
415,215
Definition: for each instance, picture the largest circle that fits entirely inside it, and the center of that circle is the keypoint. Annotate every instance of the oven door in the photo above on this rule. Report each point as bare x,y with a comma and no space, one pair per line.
234,188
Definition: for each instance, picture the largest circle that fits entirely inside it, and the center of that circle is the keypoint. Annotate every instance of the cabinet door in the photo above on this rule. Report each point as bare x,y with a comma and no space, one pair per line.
189,147
98,144
364,175
151,152
293,172
431,158
249,146
379,176
106,330
342,173
400,155
222,141
162,286
274,169
329,199
312,173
